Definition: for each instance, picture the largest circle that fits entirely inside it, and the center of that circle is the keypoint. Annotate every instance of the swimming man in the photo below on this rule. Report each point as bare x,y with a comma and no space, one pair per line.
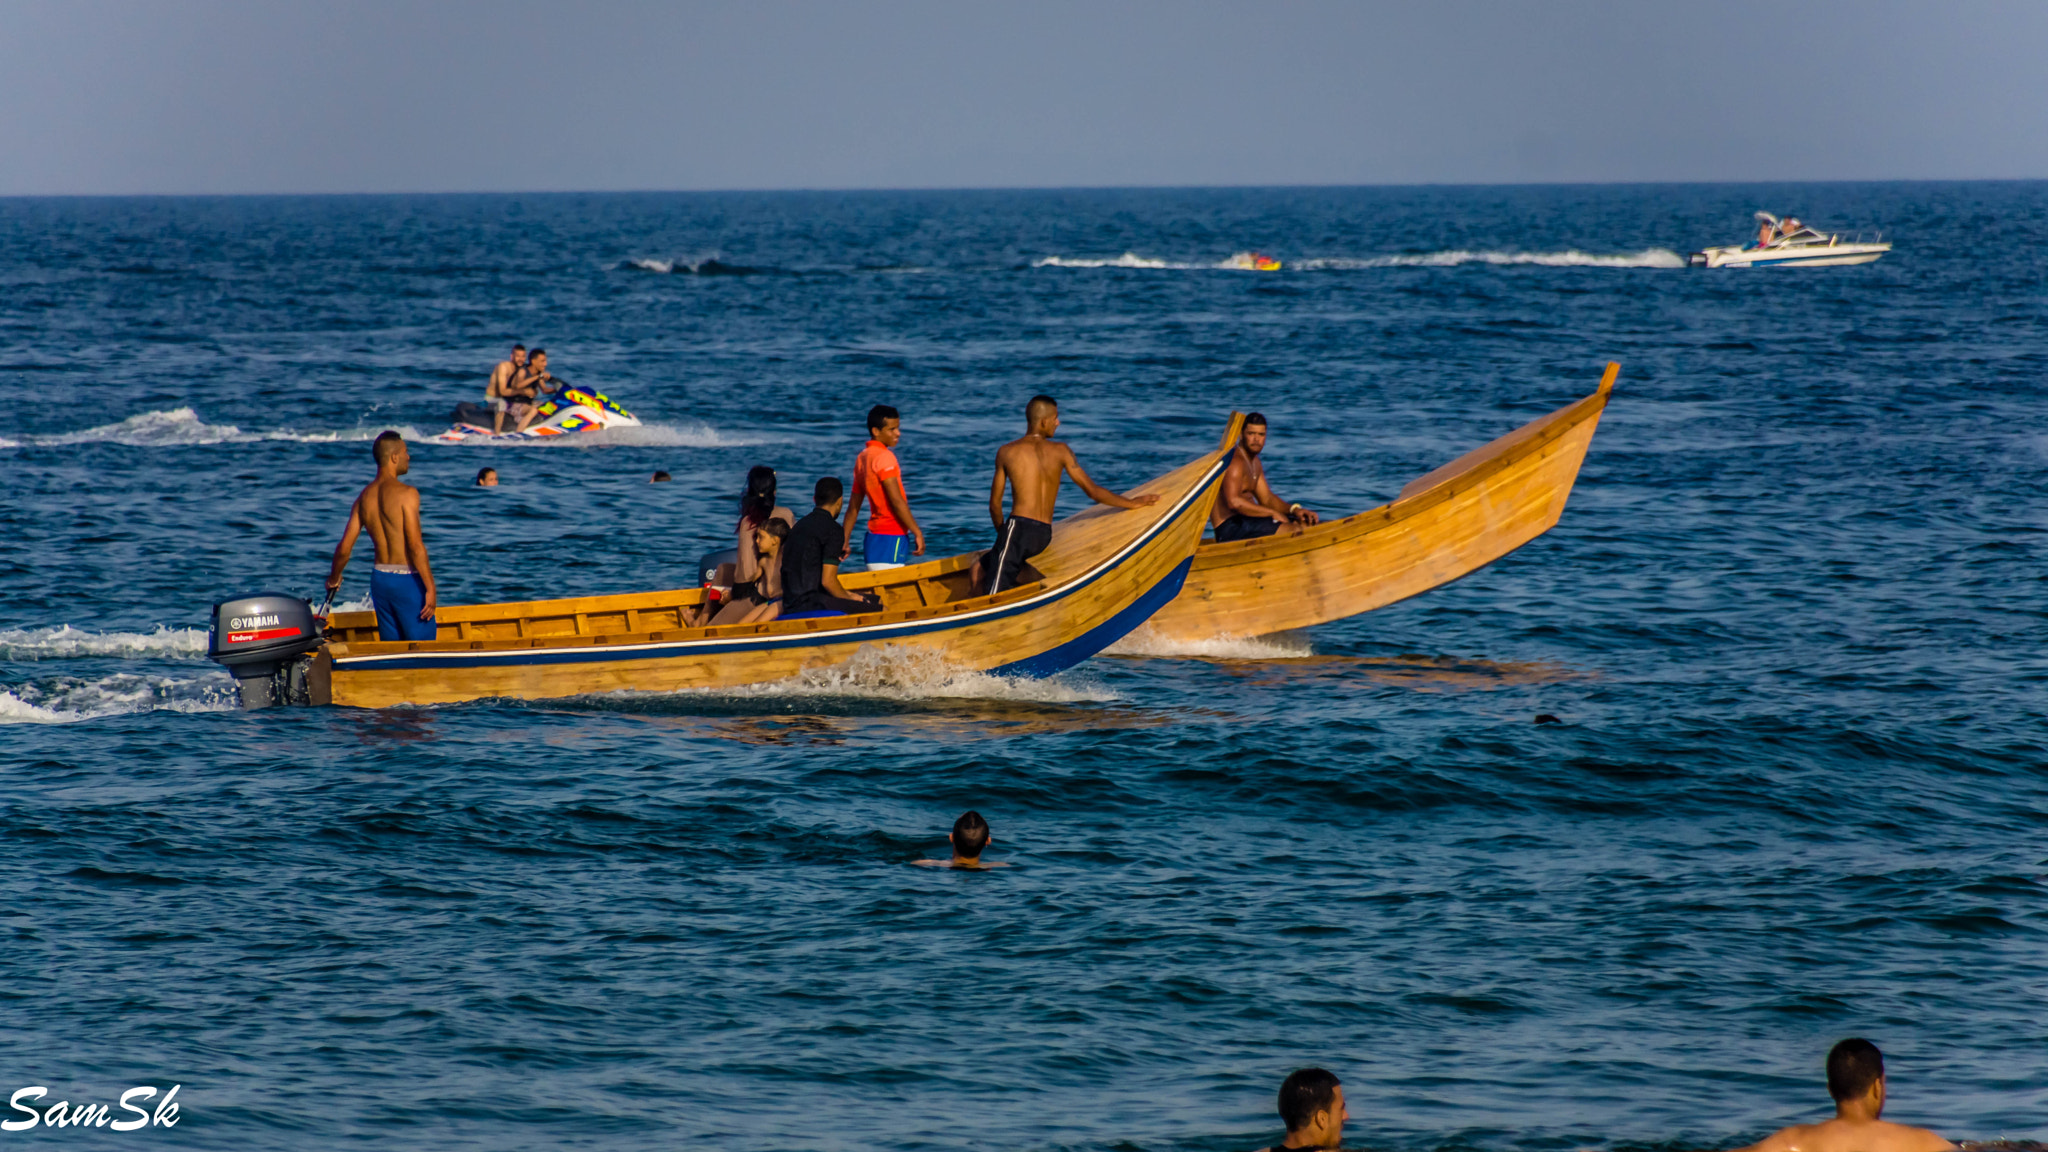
1856,1081
1033,465
1245,507
507,371
893,535
969,838
401,584
1312,1107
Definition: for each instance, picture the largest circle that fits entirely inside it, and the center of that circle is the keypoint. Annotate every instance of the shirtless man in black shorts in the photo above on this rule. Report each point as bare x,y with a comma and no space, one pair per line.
1033,465
1245,507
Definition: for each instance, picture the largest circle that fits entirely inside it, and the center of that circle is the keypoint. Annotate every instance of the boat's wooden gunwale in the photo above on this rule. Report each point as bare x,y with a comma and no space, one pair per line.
1557,425
1119,570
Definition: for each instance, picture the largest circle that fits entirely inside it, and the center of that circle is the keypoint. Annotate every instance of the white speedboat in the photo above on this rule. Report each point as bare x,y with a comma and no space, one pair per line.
1788,243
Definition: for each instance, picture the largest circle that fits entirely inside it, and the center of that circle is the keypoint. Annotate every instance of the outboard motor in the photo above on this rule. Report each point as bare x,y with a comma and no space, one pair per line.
715,576
266,641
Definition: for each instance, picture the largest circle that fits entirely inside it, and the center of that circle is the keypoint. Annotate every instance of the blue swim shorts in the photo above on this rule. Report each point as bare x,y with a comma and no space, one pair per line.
398,598
886,550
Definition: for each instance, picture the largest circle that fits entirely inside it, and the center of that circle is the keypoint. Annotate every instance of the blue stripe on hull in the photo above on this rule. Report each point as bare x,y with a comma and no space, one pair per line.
1104,634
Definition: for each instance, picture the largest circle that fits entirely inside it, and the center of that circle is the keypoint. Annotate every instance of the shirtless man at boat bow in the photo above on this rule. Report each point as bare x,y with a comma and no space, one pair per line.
1245,507
402,585
1032,466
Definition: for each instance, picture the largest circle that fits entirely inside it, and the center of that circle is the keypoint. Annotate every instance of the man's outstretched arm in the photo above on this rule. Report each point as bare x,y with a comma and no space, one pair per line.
1097,492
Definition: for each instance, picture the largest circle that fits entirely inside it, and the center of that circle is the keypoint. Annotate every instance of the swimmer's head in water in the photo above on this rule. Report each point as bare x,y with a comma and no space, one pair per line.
880,415
660,477
1039,409
1853,1066
388,448
1304,1094
827,490
487,477
970,835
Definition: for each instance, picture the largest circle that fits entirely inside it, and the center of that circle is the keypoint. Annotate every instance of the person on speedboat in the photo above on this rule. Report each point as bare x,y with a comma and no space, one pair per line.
1246,508
507,371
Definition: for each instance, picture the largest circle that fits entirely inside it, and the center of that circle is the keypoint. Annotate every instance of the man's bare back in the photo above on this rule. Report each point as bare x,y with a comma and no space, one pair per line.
1840,1135
389,510
1856,1081
1033,465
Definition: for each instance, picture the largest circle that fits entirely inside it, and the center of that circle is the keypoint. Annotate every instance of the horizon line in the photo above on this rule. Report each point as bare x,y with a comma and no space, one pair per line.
993,188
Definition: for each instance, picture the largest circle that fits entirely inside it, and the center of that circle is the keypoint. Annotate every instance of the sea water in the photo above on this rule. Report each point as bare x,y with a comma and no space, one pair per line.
1791,625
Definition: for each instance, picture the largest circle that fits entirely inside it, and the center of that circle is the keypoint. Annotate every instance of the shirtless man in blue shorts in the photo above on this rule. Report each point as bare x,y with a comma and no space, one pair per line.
402,585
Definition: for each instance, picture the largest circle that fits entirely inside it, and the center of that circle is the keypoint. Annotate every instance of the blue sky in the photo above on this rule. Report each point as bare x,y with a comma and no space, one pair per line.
192,96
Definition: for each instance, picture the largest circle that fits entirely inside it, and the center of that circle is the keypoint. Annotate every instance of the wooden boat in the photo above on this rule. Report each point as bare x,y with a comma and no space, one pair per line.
1105,572
1459,518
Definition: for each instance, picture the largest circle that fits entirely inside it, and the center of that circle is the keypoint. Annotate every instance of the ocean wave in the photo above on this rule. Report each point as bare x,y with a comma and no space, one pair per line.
182,427
65,642
696,266
1571,258
1144,642
69,700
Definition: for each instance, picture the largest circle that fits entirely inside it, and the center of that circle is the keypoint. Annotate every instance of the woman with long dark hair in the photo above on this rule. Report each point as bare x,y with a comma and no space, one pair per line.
757,507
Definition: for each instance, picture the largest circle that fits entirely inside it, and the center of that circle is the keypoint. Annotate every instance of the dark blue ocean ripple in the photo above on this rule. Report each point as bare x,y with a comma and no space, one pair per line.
1790,627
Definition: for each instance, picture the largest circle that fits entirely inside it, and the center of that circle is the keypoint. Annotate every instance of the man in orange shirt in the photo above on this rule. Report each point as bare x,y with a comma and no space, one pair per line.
893,535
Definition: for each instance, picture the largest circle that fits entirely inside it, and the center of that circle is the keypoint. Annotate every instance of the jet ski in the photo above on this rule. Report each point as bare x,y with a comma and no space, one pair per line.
1788,243
571,410
1253,262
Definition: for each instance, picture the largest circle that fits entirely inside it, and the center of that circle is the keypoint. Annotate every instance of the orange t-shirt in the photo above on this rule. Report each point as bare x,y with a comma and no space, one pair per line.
874,465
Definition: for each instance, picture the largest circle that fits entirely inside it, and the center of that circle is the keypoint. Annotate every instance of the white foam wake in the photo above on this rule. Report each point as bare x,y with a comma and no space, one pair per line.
65,642
1144,642
1571,258
182,427
68,700
1241,262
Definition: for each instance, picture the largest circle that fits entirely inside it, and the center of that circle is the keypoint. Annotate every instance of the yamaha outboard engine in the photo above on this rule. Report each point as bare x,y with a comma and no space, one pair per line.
266,641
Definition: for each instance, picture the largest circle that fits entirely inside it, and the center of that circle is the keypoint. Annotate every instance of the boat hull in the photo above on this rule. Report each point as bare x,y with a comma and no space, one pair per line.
1816,256
1443,525
1106,572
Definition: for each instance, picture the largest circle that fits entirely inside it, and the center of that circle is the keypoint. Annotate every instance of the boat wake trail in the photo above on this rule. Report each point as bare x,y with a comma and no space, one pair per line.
65,642
1237,263
1571,258
70,699
182,427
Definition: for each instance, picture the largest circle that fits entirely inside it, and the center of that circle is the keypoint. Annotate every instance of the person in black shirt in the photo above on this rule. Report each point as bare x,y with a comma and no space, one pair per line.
810,560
